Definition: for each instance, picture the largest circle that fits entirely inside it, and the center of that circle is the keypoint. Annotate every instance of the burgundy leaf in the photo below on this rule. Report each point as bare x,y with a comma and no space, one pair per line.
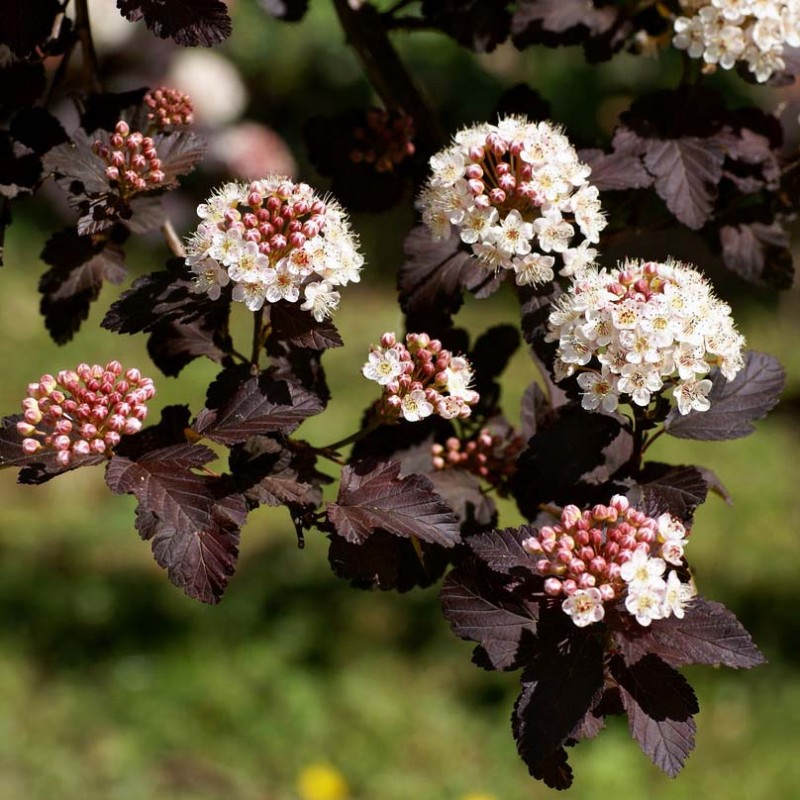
38,129
25,26
577,442
80,265
735,404
240,407
180,152
158,298
481,609
192,520
461,490
268,472
502,551
103,110
675,490
480,25
759,253
78,169
616,171
687,171
36,467
659,703
387,562
175,345
171,429
372,496
299,328
559,686
558,16
708,634
191,23
435,275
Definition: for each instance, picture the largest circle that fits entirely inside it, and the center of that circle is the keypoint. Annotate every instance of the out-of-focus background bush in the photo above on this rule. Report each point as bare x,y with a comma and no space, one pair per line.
115,686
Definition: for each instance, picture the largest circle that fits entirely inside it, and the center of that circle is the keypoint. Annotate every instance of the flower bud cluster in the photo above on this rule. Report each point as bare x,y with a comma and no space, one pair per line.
274,240
612,552
169,108
634,331
84,412
515,191
131,158
487,455
419,378
385,141
755,32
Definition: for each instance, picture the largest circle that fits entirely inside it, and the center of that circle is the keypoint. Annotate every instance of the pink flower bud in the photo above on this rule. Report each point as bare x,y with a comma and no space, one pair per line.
31,446
497,196
552,587
132,425
112,173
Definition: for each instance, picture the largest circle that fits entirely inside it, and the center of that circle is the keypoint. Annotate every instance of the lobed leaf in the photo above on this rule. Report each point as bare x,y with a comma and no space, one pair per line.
675,490
759,253
735,404
192,23
192,520
79,267
659,703
708,634
481,609
299,328
240,405
387,562
502,551
560,685
373,497
480,25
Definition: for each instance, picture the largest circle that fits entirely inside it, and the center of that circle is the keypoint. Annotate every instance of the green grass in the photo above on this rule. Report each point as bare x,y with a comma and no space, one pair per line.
116,687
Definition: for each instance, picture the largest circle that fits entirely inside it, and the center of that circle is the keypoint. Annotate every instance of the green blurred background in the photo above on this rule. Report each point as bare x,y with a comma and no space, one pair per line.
117,687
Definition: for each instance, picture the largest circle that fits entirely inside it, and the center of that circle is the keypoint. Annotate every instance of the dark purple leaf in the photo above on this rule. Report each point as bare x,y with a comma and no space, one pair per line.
299,328
675,490
78,169
240,406
180,152
286,10
522,99
556,22
535,411
372,496
735,404
79,266
659,703
708,634
583,447
433,279
20,168
559,686
616,171
171,429
490,356
269,472
191,23
480,25
387,562
192,520
21,84
501,550
158,298
759,253
461,491
27,25
37,467
104,110
38,129
174,345
481,609
687,172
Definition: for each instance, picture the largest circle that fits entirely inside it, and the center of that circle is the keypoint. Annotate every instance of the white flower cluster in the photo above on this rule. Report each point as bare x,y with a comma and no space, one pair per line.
274,240
643,328
515,192
607,553
752,31
419,378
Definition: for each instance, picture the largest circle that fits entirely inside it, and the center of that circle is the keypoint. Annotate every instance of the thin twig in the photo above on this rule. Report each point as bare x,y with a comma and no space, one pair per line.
84,31
172,239
366,31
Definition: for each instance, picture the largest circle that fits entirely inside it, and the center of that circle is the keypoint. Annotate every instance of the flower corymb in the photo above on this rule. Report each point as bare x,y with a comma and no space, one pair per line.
755,32
515,192
419,378
610,553
274,240
169,108
643,328
85,411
